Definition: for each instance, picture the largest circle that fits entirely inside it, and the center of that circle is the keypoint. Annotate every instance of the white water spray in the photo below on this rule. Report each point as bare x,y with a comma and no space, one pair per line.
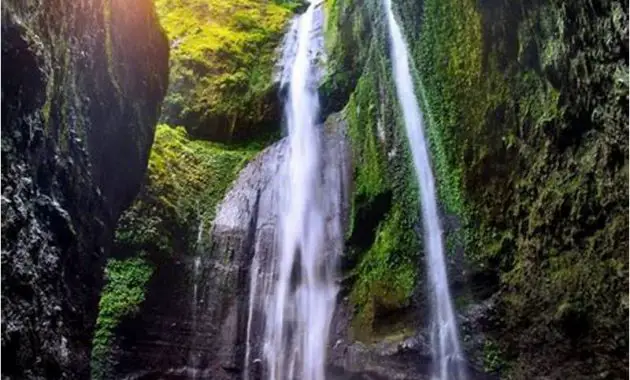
302,299
447,355
193,356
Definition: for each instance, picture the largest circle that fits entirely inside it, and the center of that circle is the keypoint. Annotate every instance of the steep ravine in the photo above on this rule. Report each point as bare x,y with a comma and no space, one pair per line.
523,111
82,84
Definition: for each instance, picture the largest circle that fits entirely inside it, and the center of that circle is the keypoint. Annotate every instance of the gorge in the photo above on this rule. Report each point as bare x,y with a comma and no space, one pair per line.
336,189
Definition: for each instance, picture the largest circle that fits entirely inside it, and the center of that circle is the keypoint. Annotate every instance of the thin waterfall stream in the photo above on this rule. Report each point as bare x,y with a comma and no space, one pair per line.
446,351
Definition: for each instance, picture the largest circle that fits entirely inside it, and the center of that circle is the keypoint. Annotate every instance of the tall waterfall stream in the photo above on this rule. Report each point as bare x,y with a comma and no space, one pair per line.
300,296
446,351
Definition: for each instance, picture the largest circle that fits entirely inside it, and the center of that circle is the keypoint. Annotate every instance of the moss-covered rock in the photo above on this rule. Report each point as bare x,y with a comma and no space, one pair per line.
185,181
82,84
381,260
122,295
526,111
528,119
223,55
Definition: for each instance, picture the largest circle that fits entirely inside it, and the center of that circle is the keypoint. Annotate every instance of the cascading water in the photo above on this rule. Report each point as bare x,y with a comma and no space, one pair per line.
302,296
447,355
193,357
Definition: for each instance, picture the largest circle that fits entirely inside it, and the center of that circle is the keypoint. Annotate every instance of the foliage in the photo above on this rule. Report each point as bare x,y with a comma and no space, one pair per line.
492,357
386,274
186,180
528,123
382,246
222,57
123,293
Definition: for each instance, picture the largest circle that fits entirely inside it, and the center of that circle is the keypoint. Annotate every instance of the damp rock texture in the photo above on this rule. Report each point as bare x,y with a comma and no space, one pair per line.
82,83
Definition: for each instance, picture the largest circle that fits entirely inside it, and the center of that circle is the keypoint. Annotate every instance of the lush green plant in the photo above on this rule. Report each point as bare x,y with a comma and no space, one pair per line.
186,180
492,356
124,291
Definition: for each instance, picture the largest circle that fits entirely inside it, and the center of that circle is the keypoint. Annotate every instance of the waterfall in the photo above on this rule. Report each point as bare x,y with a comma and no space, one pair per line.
300,302
447,355
193,356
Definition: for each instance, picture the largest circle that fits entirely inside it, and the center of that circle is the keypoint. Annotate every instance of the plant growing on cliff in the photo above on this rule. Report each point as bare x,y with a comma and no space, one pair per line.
124,291
186,180
382,244
534,145
492,357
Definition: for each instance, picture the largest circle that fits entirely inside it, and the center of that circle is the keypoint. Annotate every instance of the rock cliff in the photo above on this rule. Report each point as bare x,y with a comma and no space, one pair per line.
195,316
82,83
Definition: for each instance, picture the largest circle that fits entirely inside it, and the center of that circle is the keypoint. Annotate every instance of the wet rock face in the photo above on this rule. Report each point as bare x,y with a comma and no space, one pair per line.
78,115
402,356
194,322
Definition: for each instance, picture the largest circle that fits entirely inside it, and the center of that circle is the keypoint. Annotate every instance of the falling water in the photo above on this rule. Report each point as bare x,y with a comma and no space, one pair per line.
193,356
302,299
447,355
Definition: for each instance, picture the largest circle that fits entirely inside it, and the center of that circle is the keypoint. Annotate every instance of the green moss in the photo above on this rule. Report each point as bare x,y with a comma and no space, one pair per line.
386,275
506,92
492,357
382,246
186,180
124,291
222,57
527,123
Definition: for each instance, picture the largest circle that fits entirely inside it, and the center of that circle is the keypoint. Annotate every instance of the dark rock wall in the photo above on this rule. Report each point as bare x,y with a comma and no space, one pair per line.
82,82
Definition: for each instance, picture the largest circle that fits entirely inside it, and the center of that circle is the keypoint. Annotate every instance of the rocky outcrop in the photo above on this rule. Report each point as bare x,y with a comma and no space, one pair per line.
525,109
82,83
194,321
404,355
530,118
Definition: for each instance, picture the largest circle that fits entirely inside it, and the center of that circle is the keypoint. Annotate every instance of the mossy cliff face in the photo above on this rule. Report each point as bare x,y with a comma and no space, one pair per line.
186,180
381,262
81,89
221,89
526,110
223,55
166,225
